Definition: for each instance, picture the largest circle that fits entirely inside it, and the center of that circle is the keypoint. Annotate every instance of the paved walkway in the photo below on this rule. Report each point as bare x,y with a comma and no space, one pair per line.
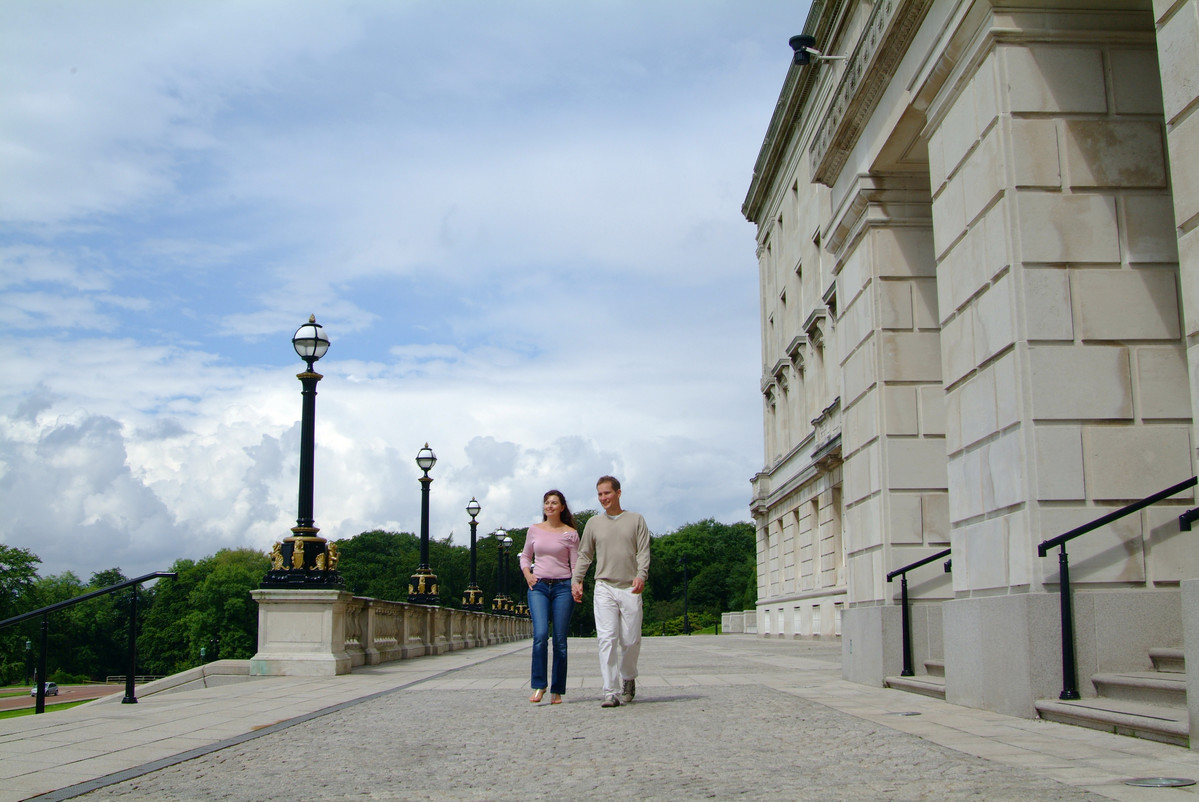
715,718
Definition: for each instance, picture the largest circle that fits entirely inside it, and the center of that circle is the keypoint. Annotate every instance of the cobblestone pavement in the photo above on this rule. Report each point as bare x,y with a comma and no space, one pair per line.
705,725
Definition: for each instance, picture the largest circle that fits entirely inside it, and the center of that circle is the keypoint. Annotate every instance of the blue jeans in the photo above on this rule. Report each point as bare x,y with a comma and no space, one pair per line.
550,601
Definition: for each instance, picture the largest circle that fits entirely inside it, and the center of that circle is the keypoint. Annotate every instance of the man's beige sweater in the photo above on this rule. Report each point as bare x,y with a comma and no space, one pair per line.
618,546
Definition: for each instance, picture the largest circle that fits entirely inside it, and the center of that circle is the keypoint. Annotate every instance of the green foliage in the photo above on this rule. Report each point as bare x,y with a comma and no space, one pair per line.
18,576
378,564
675,626
223,616
718,560
164,646
18,572
207,607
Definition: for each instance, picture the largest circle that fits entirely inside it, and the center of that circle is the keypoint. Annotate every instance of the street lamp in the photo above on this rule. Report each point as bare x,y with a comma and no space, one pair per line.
305,560
473,600
501,603
422,587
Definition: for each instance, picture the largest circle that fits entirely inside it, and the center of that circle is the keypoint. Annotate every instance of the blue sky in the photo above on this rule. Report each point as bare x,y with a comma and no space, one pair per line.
519,223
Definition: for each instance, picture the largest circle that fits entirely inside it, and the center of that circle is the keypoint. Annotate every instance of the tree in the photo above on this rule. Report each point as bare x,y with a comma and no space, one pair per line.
224,617
100,629
18,578
18,573
721,566
207,607
378,564
164,646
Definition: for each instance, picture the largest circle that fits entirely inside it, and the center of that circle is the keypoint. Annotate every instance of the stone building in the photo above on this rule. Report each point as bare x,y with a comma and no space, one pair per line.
980,275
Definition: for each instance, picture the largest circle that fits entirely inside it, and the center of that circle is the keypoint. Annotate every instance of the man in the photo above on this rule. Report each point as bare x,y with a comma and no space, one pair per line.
618,543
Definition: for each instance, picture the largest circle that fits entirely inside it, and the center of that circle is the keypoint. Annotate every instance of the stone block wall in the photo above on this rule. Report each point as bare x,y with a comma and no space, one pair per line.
1177,26
896,484
1066,387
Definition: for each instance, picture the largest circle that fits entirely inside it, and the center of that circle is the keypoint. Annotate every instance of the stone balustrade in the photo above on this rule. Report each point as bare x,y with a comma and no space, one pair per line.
330,632
739,622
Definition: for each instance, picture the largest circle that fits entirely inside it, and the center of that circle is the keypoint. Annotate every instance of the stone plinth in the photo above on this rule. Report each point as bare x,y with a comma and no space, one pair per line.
301,633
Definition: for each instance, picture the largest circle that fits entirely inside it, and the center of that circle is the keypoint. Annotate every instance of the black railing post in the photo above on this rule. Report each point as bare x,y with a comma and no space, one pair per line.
1069,666
904,611
1069,669
130,699
906,626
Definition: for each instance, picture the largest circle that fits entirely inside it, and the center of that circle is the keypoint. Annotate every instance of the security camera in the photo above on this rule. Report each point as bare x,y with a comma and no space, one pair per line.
804,52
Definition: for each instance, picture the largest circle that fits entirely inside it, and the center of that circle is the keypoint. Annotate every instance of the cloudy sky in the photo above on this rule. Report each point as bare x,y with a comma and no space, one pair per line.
519,223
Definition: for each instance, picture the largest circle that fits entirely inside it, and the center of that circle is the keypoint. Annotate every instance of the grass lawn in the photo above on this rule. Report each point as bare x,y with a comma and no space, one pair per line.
28,711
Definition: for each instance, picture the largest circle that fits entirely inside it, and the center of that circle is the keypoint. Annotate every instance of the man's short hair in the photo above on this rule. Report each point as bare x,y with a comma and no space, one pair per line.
612,480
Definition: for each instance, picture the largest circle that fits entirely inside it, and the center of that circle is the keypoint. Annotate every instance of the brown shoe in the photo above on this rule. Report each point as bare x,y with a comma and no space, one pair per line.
628,690
610,700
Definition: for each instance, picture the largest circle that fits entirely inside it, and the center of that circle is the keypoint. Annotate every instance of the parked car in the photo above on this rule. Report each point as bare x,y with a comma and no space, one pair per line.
51,690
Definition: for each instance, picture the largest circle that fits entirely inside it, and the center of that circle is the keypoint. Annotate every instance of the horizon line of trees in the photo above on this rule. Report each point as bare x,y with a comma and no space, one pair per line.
207,612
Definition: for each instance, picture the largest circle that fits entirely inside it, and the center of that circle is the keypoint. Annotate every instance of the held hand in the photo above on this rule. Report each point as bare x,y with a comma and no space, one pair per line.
576,591
638,585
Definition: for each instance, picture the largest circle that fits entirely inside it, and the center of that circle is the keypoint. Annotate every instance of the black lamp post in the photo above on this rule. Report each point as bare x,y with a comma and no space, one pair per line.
422,586
473,600
304,559
509,589
501,603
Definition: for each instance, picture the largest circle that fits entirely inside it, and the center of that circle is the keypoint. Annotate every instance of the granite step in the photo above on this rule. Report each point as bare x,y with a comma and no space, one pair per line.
1145,687
1168,661
1167,724
924,684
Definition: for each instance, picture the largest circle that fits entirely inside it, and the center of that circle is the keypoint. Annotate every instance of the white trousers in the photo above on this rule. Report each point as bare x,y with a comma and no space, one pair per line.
618,629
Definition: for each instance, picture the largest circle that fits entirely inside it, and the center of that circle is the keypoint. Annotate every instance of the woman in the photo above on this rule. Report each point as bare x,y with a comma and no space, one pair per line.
547,560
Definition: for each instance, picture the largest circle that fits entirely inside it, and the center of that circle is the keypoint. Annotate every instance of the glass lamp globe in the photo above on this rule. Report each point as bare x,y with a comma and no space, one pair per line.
425,458
310,340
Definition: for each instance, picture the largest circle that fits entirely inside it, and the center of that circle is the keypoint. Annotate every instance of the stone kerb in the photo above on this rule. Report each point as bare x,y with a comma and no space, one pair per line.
329,632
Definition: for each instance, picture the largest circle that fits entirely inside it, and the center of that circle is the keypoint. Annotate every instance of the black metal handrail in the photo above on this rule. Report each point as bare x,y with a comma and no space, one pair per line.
44,612
1069,664
905,615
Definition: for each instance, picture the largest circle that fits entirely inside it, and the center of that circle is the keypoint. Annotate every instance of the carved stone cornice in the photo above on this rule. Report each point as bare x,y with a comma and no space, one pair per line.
798,86
883,43
892,199
814,326
795,351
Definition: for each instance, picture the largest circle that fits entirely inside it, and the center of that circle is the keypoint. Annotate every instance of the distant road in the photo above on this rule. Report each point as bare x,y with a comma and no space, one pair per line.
70,693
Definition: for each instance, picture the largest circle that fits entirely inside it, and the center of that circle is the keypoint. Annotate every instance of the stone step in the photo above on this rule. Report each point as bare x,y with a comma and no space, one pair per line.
1167,724
924,684
1145,687
1168,661
935,668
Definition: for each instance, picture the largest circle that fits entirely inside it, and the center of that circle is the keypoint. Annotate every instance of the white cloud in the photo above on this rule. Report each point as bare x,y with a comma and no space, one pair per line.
519,224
